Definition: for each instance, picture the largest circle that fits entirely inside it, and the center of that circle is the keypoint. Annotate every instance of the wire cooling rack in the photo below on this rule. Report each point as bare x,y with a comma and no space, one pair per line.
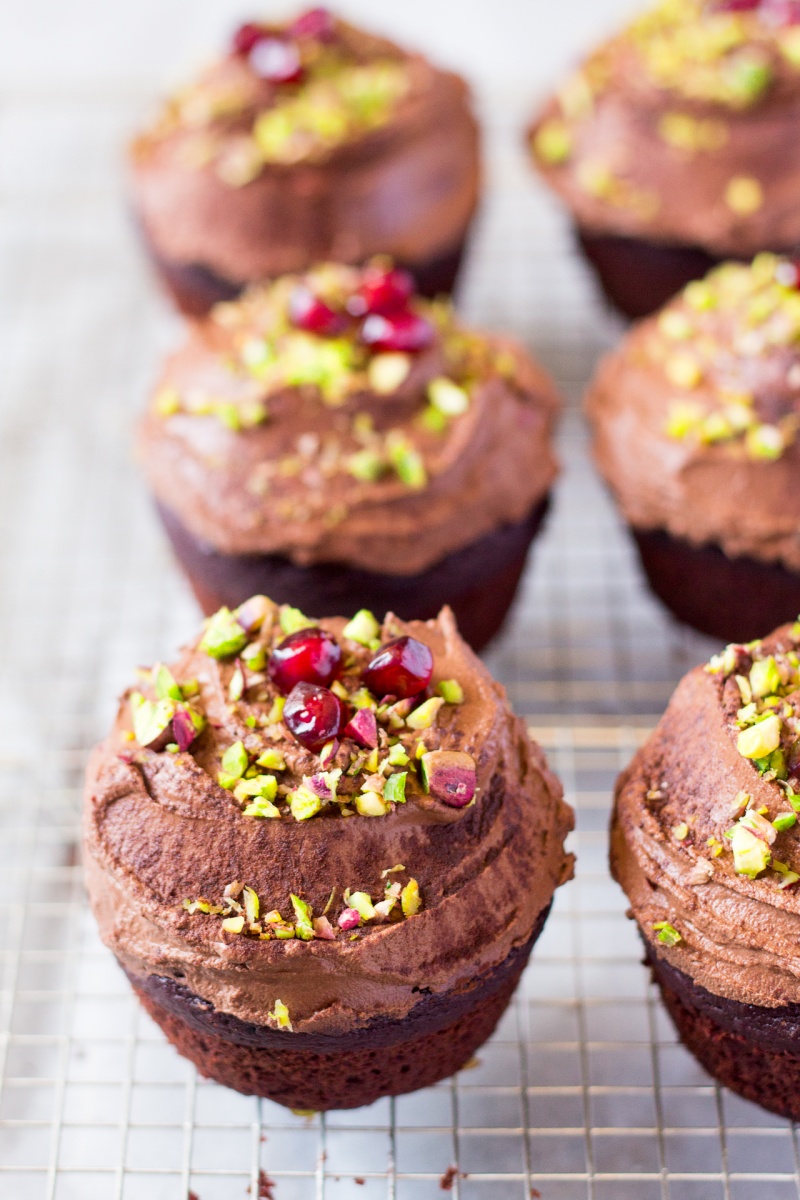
583,1094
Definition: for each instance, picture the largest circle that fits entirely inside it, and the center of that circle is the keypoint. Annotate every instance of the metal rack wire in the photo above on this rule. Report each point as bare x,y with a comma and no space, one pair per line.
583,1094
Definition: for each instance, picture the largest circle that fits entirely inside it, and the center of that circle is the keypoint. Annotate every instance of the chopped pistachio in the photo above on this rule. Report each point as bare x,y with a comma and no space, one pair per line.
164,683
304,804
760,740
292,619
366,465
272,759
280,1015
765,678
371,762
451,691
675,325
264,786
362,698
765,441
448,397
235,760
667,934
233,924
303,918
553,142
744,195
387,372
785,821
254,657
406,460
275,713
432,419
410,898
363,628
398,756
370,804
363,905
751,855
683,370
251,905
394,790
680,832
261,807
425,716
150,721
223,636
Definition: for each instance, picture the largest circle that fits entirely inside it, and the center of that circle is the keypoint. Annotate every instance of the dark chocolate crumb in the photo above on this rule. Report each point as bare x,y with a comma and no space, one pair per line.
265,1186
449,1178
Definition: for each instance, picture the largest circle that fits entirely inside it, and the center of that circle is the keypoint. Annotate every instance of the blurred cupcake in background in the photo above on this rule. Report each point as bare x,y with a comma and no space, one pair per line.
306,141
674,145
695,419
335,442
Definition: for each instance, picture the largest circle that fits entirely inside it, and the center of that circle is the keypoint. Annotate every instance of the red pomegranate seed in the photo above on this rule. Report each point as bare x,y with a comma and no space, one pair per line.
307,656
381,291
313,715
402,668
782,12
246,37
308,312
316,23
276,60
735,5
403,331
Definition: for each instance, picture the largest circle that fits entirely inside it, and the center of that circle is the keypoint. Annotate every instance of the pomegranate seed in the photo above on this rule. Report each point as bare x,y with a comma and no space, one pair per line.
308,312
403,668
381,291
246,37
403,331
313,715
307,656
782,12
316,23
276,60
735,5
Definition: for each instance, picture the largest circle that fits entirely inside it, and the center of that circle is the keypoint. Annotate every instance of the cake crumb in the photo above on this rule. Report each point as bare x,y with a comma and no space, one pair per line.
450,1176
265,1186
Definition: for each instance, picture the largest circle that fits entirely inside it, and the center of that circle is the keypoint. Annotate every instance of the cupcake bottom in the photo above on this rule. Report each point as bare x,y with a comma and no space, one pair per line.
319,1072
478,582
732,599
195,288
752,1050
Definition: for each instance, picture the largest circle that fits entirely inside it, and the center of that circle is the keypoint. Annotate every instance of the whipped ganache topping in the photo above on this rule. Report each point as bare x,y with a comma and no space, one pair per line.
696,414
705,837
336,416
309,823
693,102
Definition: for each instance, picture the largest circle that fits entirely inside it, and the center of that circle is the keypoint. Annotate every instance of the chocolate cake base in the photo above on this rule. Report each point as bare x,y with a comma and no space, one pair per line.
752,1050
637,276
196,288
732,599
479,582
318,1072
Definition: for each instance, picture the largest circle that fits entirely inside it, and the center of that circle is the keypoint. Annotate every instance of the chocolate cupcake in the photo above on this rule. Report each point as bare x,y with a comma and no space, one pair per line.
695,422
307,141
333,442
674,145
704,841
322,852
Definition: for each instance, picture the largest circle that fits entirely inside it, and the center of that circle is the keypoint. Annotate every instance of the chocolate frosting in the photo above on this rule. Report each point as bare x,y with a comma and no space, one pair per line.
279,487
739,373
158,830
643,154
408,187
739,936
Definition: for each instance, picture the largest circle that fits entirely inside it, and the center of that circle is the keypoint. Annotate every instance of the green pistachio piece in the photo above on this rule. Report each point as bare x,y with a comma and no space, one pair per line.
265,786
759,741
280,1015
765,441
667,934
410,899
751,855
553,142
425,716
251,905
784,821
223,635
451,691
261,807
448,397
394,790
254,657
292,619
765,678
363,628
164,683
150,721
748,77
406,460
366,465
370,804
398,756
303,918
272,759
233,924
363,905
235,760
387,372
362,698
304,804
275,713
433,420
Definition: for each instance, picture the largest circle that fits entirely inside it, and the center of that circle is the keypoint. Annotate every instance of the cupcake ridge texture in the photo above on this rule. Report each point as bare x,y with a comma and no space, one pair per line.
315,890
704,834
695,416
337,417
678,129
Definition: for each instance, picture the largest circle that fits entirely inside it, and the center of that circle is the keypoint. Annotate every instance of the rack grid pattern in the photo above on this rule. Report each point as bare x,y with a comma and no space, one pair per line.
583,1094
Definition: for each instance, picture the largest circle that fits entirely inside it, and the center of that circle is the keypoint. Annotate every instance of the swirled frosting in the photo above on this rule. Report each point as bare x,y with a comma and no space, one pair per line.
173,856
695,414
682,129
704,835
264,438
371,150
